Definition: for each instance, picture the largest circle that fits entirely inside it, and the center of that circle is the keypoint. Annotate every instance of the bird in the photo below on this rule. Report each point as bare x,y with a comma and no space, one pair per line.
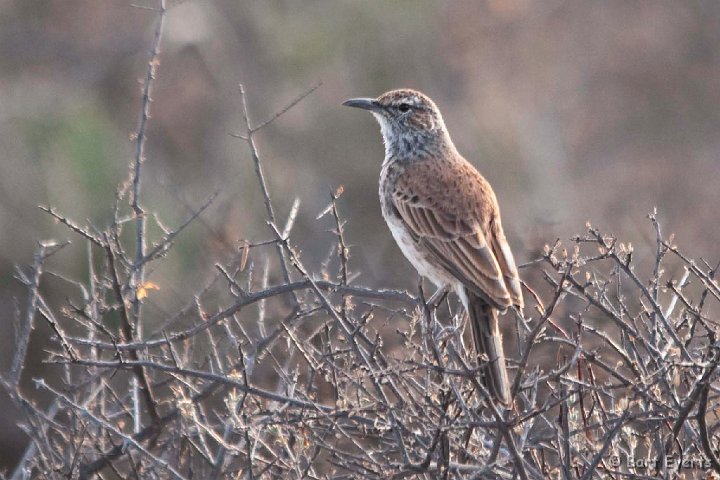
445,217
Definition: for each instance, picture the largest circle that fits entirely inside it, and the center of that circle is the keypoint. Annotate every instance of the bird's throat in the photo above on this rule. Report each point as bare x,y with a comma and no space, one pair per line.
415,144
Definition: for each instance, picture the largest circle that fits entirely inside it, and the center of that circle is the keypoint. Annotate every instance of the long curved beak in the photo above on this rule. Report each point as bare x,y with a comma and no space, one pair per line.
364,103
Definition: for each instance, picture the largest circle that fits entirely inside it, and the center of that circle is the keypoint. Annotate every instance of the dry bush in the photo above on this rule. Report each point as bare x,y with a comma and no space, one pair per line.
315,376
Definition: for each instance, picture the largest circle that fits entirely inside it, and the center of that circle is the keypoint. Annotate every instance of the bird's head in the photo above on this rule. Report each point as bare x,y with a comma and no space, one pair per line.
410,122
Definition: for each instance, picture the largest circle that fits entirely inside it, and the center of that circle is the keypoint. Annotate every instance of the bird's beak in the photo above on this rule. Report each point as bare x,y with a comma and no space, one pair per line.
364,103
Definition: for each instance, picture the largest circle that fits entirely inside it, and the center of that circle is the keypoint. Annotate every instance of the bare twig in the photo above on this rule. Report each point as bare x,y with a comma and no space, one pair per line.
32,282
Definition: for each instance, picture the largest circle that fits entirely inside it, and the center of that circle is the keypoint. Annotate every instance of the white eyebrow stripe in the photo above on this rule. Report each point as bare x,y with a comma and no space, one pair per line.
412,100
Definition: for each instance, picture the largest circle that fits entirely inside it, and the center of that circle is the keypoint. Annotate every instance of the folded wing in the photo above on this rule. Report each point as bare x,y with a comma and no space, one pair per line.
454,215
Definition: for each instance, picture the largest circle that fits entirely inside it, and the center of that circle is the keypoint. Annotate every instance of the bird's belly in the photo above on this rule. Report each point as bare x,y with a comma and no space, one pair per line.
417,256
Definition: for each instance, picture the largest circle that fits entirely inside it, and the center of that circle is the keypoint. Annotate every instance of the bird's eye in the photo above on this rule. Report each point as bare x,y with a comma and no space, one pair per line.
404,107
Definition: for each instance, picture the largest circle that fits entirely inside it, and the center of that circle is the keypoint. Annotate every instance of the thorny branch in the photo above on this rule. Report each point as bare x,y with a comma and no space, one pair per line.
400,405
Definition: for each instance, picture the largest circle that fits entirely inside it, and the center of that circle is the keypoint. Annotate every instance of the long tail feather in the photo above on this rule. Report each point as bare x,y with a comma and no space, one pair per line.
488,341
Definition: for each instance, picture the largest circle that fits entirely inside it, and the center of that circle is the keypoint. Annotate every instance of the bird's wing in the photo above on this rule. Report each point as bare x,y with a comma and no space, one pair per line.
450,212
504,256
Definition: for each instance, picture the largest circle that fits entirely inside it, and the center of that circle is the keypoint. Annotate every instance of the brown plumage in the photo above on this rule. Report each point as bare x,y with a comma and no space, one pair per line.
446,220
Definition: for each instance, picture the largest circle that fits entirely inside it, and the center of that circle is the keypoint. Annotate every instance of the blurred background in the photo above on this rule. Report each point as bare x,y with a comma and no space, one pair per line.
575,111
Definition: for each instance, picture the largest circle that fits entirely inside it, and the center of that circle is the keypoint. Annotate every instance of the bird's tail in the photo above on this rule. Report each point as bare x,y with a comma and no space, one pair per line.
488,341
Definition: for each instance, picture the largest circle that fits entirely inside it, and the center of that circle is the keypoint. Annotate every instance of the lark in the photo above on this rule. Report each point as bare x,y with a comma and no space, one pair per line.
445,218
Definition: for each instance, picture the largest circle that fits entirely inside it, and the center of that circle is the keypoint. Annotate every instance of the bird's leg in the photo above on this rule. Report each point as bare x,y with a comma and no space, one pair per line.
426,326
438,297
432,303
429,331
421,297
520,317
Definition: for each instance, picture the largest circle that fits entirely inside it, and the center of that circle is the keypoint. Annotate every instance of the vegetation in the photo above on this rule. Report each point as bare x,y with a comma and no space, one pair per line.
277,365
